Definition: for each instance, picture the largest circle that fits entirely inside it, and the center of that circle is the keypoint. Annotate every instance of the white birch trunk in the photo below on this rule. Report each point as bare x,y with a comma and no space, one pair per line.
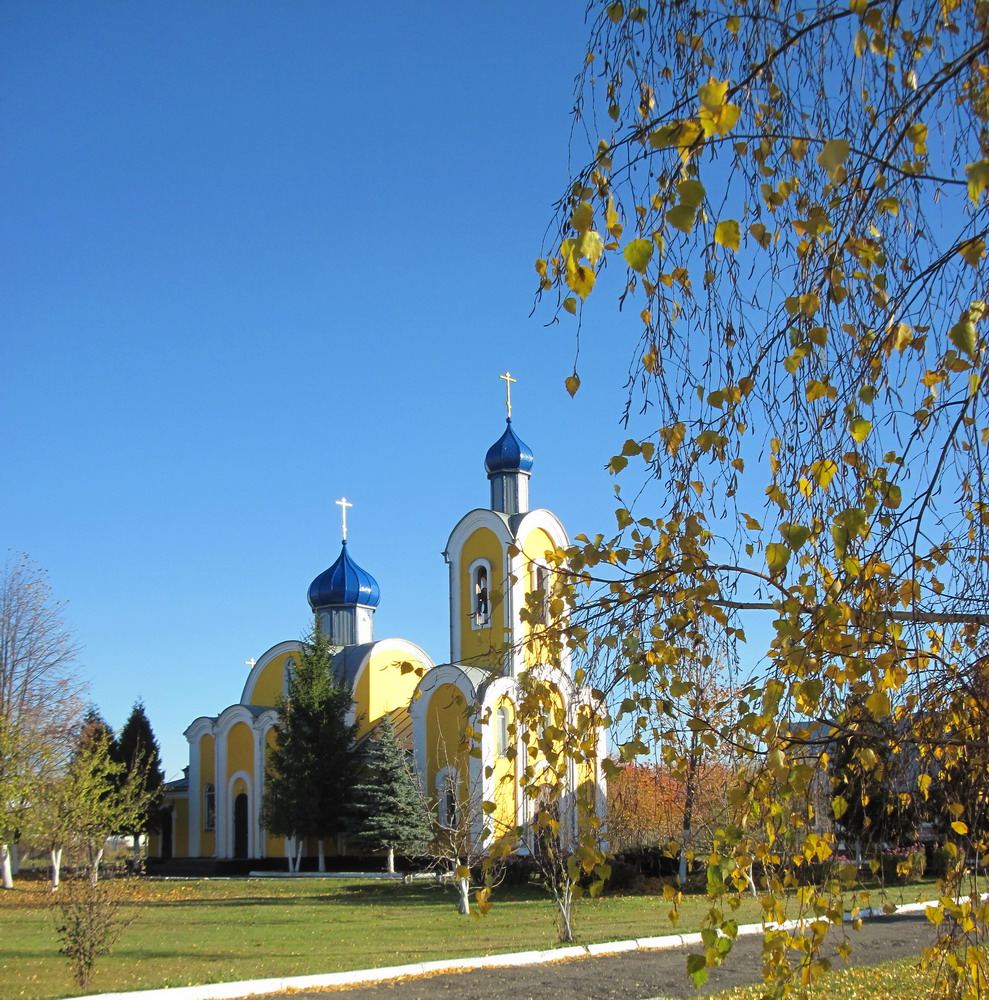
56,867
391,860
8,875
322,855
564,903
463,896
94,874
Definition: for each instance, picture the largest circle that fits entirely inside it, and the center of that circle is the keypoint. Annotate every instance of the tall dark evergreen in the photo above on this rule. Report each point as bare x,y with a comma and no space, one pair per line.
96,729
138,751
871,777
389,808
311,769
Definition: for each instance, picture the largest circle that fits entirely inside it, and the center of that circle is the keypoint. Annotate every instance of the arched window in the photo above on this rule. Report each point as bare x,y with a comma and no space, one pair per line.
209,808
448,798
480,581
540,588
501,733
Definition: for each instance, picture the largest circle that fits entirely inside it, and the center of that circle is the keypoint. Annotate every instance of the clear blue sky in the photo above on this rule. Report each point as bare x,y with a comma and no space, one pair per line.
256,256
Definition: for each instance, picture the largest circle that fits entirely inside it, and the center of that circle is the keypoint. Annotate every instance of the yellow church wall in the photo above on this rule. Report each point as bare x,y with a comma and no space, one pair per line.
544,748
384,687
207,775
240,750
270,686
445,722
535,545
482,646
504,776
587,771
274,845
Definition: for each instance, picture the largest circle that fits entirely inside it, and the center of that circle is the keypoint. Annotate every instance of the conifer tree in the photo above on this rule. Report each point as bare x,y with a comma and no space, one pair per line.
311,768
138,751
389,808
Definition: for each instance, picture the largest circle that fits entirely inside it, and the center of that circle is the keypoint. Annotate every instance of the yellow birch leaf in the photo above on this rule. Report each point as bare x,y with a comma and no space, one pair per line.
973,251
959,827
962,335
690,193
582,217
777,556
833,155
637,254
681,217
978,177
591,245
570,304
824,472
859,428
878,704
581,279
728,234
712,94
728,118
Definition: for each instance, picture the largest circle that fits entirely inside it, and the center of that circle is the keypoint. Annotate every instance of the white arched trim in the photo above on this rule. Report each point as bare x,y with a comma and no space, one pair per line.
201,727
252,812
289,646
499,689
548,521
262,726
419,706
520,579
480,517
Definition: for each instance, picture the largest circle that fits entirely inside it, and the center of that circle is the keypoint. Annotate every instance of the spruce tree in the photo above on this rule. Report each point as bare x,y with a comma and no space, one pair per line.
389,810
310,770
138,751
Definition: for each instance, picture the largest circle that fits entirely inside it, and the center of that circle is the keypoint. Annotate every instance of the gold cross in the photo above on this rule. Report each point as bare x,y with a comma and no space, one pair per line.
343,505
508,391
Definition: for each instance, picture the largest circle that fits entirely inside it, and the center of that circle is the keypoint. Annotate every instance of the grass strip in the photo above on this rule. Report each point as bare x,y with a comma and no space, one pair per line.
192,932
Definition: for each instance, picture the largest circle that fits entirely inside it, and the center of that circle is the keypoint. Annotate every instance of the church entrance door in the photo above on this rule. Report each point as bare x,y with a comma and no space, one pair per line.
240,826
166,834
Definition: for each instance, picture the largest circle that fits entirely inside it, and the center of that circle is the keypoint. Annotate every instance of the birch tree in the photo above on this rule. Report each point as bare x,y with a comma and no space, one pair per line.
788,202
39,695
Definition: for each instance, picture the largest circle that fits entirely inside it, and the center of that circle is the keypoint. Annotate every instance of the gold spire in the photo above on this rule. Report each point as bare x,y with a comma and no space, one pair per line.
508,391
343,504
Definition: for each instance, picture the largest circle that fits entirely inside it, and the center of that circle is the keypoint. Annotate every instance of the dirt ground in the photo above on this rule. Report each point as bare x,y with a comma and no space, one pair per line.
635,975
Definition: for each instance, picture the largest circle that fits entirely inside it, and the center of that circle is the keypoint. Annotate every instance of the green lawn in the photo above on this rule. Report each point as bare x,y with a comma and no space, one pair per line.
217,931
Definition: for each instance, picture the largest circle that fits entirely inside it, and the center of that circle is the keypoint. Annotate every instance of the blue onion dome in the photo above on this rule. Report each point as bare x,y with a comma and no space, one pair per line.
344,583
508,454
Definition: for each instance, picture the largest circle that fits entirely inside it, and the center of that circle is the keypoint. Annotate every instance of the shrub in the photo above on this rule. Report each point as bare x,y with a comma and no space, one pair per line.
89,918
903,864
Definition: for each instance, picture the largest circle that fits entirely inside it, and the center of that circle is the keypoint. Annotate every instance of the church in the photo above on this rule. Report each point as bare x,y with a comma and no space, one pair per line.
459,720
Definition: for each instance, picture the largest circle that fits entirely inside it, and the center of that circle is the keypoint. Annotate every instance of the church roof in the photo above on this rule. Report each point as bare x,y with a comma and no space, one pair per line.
508,454
344,583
